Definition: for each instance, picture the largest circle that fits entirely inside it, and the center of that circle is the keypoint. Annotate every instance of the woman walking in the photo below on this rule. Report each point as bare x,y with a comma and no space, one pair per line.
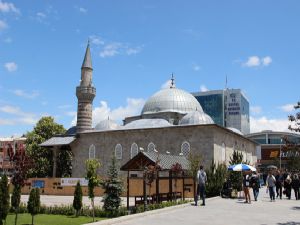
296,186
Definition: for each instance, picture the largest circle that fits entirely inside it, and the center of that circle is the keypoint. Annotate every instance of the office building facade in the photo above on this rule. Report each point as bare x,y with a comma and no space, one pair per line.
228,108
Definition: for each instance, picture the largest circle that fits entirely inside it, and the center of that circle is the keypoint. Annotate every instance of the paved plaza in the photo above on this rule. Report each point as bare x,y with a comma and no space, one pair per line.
220,211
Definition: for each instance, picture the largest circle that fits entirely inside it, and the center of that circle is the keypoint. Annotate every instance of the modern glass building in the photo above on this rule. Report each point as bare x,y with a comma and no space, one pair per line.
228,108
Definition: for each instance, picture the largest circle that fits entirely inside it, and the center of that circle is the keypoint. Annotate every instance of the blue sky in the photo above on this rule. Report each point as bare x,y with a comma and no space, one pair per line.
135,46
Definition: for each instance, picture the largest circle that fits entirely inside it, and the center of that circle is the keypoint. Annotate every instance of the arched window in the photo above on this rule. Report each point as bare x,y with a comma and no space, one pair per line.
118,151
92,151
223,153
134,150
151,147
185,148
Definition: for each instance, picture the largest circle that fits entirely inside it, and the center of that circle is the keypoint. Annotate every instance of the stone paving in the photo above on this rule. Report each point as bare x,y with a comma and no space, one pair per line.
220,211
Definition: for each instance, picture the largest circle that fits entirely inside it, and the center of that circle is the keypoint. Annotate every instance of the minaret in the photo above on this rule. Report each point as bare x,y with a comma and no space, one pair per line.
85,93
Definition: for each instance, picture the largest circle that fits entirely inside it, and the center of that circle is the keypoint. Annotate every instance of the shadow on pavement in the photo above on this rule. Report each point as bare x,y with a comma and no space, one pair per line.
296,208
289,223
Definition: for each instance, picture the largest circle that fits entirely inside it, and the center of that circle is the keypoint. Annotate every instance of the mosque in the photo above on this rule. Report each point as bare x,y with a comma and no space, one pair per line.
172,121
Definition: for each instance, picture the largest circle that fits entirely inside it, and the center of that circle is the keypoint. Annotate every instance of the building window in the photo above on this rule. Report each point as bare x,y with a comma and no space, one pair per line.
92,151
151,147
118,151
223,153
134,150
185,148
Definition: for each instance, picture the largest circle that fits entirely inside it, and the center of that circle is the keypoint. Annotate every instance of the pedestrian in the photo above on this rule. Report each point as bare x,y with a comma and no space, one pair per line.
255,184
279,184
271,185
246,185
296,185
201,180
288,186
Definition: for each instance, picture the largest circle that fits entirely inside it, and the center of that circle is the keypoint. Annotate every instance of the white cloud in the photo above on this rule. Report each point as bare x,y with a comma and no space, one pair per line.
255,109
287,108
3,25
133,107
7,40
264,123
82,10
71,113
110,50
166,85
22,117
252,61
7,7
266,60
11,66
133,51
255,61
25,94
96,40
203,88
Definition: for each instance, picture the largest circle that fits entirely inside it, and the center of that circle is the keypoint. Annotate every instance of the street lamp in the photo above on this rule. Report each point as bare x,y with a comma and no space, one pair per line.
280,154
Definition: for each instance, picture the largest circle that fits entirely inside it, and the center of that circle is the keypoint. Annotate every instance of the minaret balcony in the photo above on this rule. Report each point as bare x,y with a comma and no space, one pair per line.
85,92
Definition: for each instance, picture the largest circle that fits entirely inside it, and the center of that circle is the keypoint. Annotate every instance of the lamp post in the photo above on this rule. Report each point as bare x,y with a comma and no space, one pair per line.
280,154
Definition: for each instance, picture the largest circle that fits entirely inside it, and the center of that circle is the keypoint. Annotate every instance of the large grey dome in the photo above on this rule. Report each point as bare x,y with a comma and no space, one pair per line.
171,100
106,125
196,117
147,123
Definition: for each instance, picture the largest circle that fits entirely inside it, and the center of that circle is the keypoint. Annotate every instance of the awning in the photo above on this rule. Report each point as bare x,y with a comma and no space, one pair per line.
55,141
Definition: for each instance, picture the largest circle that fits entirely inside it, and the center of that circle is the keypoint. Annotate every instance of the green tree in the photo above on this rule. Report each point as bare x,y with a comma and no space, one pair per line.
236,178
93,181
42,157
77,202
34,203
4,198
216,175
16,200
113,188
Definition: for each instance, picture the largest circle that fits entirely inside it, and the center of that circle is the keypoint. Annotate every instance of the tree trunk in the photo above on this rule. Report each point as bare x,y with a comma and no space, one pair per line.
32,220
93,206
16,217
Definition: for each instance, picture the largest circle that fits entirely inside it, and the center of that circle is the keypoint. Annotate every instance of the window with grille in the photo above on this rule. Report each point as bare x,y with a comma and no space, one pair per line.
118,151
151,147
92,151
134,150
185,148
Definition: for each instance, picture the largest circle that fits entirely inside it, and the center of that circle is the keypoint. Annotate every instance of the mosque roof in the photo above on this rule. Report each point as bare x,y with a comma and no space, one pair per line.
196,118
107,124
235,130
147,123
59,140
171,100
164,161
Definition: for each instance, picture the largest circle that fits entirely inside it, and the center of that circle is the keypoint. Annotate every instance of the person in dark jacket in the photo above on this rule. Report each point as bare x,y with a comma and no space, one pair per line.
255,184
279,184
288,186
296,185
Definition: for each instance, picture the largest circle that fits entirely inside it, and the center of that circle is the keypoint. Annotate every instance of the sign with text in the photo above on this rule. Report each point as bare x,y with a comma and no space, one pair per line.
73,181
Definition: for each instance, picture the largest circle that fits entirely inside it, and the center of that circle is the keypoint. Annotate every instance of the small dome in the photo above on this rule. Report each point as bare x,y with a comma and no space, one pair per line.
106,125
71,131
147,123
171,100
196,117
235,130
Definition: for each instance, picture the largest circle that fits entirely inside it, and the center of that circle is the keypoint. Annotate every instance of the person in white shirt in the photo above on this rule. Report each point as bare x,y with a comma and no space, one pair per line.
201,180
271,183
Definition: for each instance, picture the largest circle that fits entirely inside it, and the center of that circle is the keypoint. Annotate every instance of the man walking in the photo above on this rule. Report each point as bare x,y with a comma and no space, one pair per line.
201,180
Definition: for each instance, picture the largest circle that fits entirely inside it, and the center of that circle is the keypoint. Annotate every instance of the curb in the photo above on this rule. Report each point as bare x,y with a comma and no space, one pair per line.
147,213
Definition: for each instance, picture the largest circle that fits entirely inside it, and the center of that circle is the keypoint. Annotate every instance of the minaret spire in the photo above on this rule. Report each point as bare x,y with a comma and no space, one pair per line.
85,93
87,61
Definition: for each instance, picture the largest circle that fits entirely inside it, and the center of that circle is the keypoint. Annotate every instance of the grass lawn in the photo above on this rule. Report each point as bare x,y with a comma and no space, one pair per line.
45,219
